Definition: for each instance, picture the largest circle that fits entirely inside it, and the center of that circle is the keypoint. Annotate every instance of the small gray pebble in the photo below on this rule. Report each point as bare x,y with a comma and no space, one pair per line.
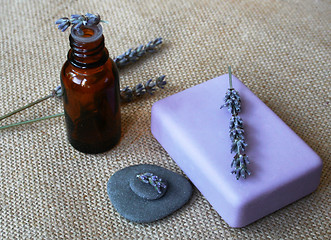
145,190
137,207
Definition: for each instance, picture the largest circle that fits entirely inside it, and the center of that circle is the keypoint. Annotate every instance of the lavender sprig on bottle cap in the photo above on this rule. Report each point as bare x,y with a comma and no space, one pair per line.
78,21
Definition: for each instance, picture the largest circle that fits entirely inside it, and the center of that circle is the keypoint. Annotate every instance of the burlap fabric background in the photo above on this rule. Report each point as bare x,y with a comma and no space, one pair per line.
48,190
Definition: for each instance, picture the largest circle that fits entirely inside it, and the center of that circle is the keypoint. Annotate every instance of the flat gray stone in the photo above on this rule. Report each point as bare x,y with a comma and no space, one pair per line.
136,207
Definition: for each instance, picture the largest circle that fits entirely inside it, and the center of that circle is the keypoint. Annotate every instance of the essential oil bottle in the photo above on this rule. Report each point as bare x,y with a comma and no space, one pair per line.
90,84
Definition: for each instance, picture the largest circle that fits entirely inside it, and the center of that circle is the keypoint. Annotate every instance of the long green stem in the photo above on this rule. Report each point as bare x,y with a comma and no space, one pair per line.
230,77
25,107
33,120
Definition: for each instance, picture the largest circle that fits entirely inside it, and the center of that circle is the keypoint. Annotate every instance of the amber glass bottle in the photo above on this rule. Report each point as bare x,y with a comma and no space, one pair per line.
90,84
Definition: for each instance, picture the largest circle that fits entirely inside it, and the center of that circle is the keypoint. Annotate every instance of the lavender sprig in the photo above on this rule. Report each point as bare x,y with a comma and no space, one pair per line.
240,161
128,95
132,55
153,180
78,21
160,81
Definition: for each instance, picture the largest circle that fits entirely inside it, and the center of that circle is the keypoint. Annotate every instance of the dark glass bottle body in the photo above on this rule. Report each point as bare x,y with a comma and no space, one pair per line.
90,84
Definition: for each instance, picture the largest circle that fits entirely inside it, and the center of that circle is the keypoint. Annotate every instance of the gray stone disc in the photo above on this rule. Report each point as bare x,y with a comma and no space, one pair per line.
138,209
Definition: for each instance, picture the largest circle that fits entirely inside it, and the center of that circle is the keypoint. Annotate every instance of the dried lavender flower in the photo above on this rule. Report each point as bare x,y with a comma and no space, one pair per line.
131,55
128,95
232,101
63,23
92,19
78,21
153,180
139,90
57,92
240,161
160,82
150,86
236,122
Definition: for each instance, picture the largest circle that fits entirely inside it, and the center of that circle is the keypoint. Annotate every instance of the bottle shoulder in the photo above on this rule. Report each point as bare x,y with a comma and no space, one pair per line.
89,77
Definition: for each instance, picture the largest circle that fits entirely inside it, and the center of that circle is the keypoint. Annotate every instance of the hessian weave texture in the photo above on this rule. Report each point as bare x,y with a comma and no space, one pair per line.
280,49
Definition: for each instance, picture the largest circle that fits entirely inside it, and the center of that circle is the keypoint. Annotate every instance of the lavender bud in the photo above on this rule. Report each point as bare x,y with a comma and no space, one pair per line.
160,83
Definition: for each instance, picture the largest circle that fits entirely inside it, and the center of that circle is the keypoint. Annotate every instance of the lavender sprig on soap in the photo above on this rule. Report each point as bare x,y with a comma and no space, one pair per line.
240,161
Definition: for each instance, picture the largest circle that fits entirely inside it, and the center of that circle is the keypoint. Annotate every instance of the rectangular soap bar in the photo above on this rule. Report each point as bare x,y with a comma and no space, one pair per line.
195,132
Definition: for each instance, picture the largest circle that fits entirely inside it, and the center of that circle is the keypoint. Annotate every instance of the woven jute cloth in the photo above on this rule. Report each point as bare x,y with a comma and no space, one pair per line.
48,190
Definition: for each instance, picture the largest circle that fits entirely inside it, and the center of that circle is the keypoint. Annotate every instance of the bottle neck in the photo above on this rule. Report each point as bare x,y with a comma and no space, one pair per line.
88,50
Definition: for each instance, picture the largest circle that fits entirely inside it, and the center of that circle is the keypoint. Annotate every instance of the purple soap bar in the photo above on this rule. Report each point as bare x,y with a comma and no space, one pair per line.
195,132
